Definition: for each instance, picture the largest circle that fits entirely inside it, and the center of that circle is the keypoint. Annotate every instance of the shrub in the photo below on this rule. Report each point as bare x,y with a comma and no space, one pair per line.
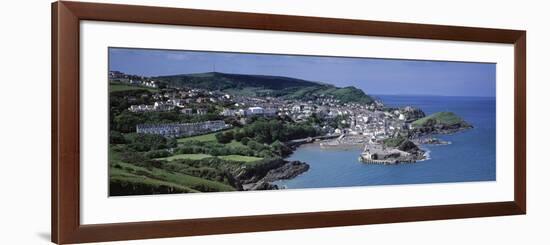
239,135
280,148
147,142
116,137
157,154
245,140
224,137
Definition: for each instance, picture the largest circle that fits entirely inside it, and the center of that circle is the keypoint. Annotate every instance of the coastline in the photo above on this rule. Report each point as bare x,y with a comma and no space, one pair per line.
261,177
268,182
409,150
442,163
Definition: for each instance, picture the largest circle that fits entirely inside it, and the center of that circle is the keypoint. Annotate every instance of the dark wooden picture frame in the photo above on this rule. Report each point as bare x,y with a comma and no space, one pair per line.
65,174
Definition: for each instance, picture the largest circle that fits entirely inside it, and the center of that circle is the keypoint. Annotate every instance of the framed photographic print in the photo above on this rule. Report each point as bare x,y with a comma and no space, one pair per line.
176,122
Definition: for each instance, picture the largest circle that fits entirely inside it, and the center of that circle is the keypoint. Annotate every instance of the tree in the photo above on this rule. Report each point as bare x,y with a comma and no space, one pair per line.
171,143
238,135
314,119
280,149
116,137
255,145
157,154
245,140
126,122
146,142
224,137
265,153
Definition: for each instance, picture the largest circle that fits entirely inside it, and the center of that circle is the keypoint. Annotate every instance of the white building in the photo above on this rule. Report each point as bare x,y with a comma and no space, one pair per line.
296,108
162,106
141,108
148,108
151,84
228,112
255,111
176,102
270,111
187,111
181,129
202,111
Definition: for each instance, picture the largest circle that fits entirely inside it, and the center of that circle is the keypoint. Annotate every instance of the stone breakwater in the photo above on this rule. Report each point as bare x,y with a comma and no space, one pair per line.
406,152
376,152
345,141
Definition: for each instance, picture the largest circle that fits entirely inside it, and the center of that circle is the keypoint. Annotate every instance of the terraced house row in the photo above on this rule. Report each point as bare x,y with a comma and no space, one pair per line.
182,129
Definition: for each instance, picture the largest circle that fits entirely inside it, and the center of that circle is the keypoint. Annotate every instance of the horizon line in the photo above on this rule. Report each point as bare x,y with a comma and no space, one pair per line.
433,95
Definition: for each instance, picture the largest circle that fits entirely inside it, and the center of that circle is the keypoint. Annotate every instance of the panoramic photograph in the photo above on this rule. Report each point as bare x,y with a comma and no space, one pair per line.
202,121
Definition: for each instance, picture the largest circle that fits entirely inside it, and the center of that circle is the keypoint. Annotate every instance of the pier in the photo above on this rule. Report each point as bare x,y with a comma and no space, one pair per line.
371,161
311,139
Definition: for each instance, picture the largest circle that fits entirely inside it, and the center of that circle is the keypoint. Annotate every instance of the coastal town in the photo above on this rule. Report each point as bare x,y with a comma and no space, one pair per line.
260,127
357,123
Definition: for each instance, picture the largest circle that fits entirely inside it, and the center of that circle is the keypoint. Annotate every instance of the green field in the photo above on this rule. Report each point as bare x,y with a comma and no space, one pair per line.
186,156
239,158
202,138
115,87
211,137
235,143
236,158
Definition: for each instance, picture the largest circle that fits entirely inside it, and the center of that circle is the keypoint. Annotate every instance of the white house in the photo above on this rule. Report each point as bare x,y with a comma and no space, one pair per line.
296,108
255,111
202,111
151,84
228,112
187,111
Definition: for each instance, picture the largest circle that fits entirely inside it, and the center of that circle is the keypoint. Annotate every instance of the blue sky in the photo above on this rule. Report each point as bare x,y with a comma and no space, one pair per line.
374,76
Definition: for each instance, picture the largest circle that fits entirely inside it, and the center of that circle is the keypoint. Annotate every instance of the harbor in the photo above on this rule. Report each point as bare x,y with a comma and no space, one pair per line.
459,157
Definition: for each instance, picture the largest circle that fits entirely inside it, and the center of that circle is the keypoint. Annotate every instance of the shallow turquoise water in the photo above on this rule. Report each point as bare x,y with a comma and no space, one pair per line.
470,157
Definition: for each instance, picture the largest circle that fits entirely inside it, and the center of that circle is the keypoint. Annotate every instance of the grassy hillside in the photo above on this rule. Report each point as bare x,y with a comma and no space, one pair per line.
128,178
260,85
439,118
235,158
130,174
222,81
123,182
345,95
394,142
116,87
211,137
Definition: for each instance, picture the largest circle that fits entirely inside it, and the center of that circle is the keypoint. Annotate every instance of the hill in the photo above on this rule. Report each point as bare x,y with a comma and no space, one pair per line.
440,122
262,85
439,118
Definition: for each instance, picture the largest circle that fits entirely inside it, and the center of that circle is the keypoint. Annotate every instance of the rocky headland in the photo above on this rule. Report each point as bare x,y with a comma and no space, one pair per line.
261,176
405,149
439,123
